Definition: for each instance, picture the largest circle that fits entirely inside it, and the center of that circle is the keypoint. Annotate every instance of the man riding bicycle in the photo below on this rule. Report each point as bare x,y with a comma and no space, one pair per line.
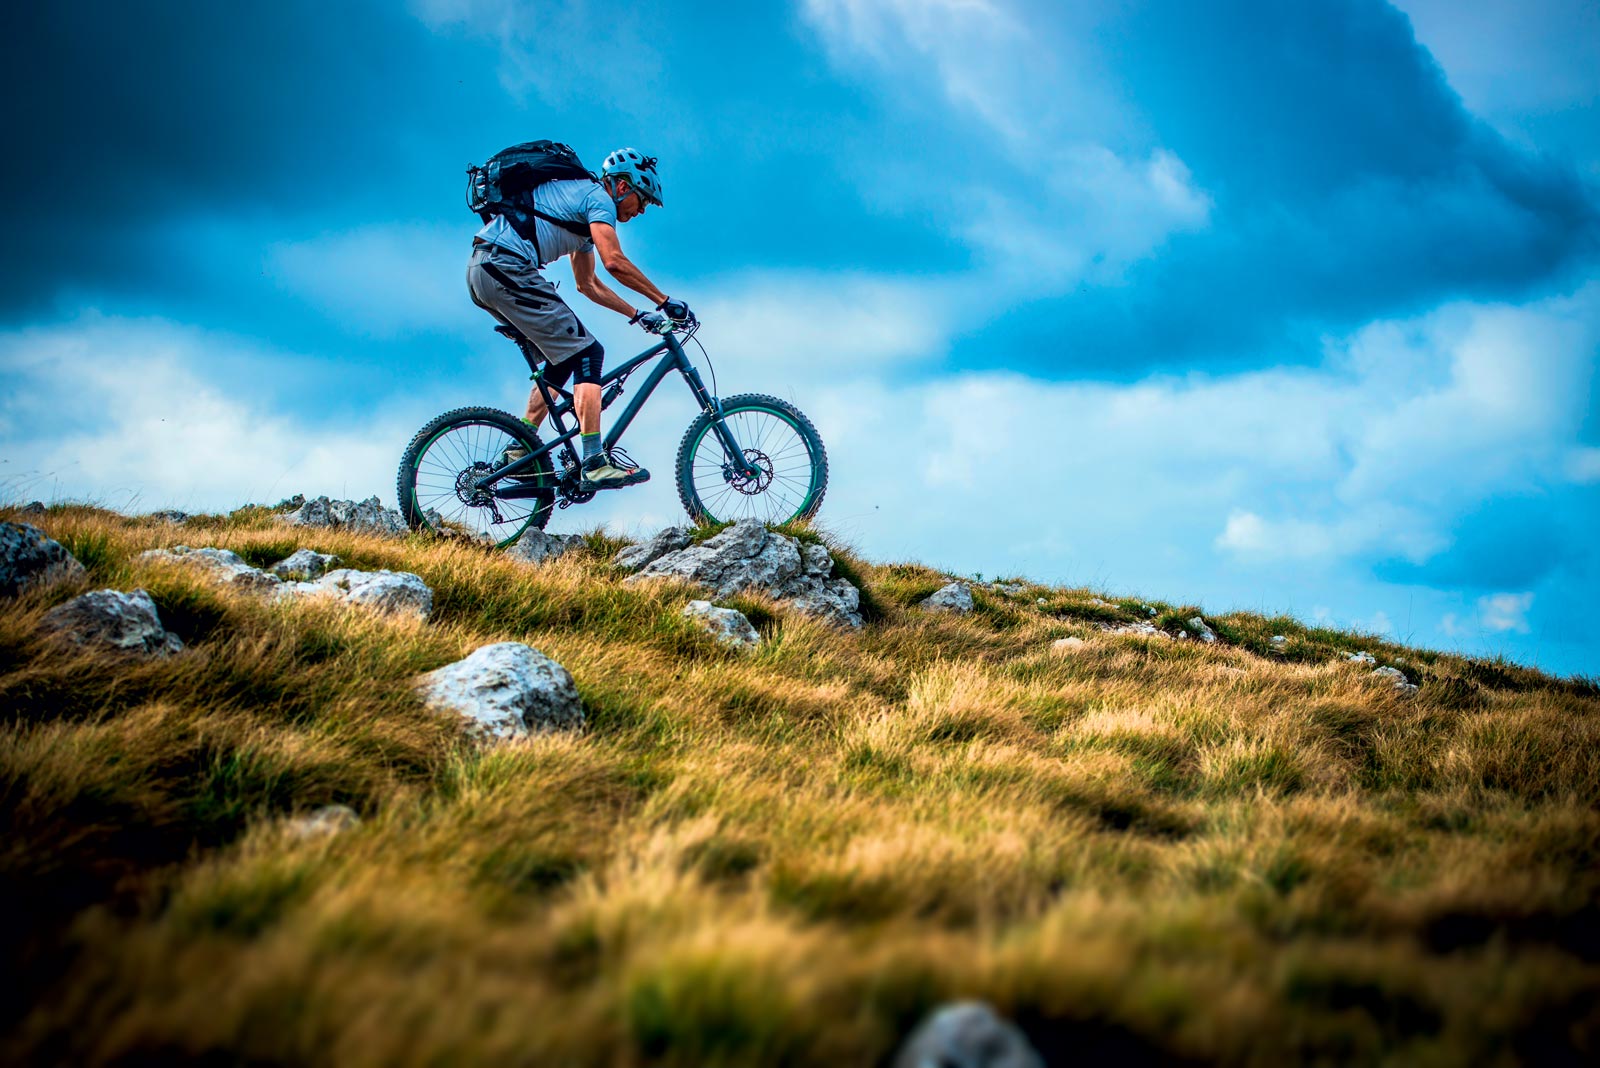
577,218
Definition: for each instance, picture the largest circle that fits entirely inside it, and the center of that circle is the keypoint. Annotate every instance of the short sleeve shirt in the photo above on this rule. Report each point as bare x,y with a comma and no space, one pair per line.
578,200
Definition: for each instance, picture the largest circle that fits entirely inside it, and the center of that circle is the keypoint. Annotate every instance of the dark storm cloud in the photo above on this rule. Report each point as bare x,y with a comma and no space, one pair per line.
124,116
1348,183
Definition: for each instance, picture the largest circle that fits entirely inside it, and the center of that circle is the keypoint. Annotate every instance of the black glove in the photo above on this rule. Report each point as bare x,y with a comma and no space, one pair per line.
652,322
676,310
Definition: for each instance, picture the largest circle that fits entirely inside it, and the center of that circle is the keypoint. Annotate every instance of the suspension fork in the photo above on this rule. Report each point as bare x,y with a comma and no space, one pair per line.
712,406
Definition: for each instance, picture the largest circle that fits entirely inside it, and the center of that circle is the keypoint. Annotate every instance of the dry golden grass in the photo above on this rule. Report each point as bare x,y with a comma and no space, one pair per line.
1147,850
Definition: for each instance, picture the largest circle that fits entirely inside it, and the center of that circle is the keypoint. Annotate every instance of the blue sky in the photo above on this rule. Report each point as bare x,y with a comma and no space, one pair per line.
1286,307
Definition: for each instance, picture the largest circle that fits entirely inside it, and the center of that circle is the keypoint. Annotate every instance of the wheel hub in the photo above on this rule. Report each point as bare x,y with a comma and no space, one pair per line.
467,489
750,485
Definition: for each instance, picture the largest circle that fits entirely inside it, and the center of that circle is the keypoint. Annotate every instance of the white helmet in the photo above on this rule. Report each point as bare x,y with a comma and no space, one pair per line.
638,169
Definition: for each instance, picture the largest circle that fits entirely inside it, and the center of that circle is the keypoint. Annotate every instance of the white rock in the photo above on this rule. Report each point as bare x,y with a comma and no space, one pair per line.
728,626
1362,657
1067,645
1143,630
368,516
29,557
506,690
749,556
537,547
648,552
124,622
222,565
1040,600
1201,631
967,1035
304,565
1278,641
391,592
1394,675
955,597
325,822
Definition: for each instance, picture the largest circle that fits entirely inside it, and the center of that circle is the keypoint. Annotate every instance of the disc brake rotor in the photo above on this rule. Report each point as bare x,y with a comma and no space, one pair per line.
750,485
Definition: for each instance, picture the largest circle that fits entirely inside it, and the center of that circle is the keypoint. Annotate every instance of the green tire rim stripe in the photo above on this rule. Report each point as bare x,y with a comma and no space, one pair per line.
417,507
811,490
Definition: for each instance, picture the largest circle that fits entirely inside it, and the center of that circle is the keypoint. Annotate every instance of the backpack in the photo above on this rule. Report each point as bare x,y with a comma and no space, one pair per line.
504,185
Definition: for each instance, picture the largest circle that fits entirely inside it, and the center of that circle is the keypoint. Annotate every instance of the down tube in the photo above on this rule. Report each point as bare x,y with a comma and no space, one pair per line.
657,373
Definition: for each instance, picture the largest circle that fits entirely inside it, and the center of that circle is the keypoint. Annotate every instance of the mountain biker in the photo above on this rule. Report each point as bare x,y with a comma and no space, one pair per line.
504,277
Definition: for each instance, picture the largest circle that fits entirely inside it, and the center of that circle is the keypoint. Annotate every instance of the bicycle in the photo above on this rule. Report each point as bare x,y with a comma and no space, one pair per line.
750,455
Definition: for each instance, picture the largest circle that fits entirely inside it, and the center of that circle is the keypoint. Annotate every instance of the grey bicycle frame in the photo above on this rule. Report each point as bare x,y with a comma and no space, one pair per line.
673,359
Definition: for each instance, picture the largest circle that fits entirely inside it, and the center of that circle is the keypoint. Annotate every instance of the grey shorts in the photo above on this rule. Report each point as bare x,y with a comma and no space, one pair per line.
512,290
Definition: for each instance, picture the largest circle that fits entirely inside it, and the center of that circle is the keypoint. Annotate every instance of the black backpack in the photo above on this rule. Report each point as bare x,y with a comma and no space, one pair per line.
505,184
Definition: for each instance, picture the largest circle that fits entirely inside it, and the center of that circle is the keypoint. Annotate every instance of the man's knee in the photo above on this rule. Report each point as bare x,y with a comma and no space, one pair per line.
588,364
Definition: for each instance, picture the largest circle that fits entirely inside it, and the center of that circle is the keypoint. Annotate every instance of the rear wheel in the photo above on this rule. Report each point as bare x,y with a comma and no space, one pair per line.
439,471
778,441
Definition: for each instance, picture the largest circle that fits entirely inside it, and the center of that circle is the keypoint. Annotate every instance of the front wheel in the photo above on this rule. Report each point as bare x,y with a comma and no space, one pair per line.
781,446
439,473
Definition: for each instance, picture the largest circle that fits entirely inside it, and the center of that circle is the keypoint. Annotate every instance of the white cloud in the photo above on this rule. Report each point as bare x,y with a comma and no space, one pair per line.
1501,612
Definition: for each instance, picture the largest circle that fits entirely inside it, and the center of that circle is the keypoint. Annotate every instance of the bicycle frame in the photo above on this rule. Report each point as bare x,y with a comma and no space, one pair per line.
673,358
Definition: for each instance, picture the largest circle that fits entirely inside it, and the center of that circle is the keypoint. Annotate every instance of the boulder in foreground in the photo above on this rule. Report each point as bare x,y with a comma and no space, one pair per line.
507,690
110,619
28,557
967,1035
728,626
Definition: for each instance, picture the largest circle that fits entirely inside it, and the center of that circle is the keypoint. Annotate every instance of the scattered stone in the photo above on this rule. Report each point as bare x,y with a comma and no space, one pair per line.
728,626
223,565
1067,645
967,1035
1198,626
955,597
1149,610
537,547
124,622
171,515
1041,600
1362,657
368,516
1010,589
34,508
1098,603
1278,643
506,690
29,557
325,822
749,556
304,565
390,592
648,552
1404,685
1140,628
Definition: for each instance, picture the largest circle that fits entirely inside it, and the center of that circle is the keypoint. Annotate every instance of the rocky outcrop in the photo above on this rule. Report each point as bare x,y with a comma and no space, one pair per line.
748,556
1197,627
967,1035
537,547
112,620
29,557
304,565
648,552
170,515
220,565
324,822
392,592
1404,686
367,517
728,626
956,598
505,691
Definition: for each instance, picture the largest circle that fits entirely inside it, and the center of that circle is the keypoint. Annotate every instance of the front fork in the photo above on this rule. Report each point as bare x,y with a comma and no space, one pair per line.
712,406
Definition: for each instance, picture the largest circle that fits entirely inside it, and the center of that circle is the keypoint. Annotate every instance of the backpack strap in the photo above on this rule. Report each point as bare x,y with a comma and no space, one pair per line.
581,229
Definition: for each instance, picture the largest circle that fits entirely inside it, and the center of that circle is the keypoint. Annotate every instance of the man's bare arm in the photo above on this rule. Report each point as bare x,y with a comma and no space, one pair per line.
619,266
589,285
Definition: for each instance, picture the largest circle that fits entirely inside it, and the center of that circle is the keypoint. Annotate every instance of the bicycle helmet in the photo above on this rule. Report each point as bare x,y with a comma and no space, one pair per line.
638,169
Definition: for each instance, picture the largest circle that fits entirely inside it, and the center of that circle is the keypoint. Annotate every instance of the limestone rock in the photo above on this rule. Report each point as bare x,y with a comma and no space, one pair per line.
506,690
222,565
728,626
537,547
1278,642
1402,684
392,592
648,552
1198,627
1362,657
749,556
171,515
325,822
1142,629
368,516
304,565
1067,645
125,622
34,508
955,597
967,1035
29,557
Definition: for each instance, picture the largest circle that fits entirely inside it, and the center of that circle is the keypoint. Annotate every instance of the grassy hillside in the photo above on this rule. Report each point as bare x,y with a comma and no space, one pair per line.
1156,850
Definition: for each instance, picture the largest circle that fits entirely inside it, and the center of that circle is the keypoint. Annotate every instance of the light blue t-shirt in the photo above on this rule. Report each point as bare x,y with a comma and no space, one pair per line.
578,200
